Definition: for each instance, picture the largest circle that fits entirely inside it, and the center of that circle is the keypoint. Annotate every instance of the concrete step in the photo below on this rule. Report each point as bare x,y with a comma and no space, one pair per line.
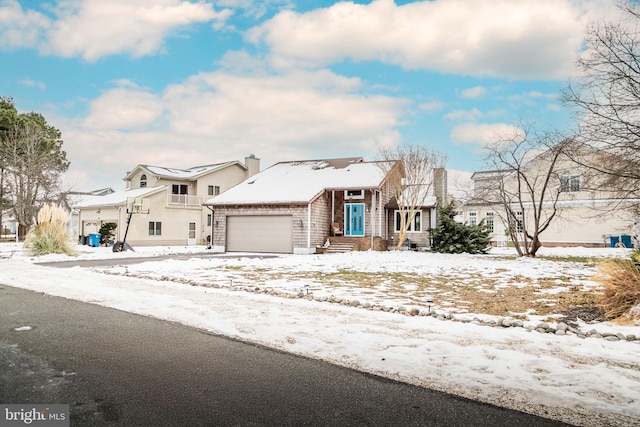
339,248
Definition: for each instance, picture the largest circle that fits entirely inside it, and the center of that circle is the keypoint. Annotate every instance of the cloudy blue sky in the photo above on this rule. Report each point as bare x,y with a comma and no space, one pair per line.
183,83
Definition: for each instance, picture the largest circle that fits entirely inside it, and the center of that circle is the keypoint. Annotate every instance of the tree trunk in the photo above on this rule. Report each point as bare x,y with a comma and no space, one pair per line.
22,231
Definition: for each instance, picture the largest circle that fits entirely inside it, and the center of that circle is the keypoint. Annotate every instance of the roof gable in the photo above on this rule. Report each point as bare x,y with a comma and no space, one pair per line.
116,198
190,174
303,181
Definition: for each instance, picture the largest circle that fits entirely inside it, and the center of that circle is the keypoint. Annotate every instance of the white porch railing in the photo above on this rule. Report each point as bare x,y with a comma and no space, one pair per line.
185,200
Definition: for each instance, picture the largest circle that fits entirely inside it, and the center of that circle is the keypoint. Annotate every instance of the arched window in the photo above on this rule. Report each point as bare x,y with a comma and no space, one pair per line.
143,180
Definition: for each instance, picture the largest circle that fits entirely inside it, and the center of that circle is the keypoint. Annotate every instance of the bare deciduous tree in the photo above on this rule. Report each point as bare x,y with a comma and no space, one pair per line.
413,184
525,182
606,94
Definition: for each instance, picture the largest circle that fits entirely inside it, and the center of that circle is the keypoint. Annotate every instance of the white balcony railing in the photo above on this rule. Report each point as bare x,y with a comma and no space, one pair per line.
185,200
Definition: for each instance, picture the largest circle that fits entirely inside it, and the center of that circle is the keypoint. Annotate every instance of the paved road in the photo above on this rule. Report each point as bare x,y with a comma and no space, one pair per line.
117,368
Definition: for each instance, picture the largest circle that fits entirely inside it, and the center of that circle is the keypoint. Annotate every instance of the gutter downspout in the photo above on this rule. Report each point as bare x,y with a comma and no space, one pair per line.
333,207
309,227
372,216
212,225
379,213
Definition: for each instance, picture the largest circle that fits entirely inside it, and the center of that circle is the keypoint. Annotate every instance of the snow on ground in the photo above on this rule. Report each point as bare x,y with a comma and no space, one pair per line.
582,381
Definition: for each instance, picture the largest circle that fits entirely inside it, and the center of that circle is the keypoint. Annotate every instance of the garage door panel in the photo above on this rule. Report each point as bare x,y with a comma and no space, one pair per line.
256,233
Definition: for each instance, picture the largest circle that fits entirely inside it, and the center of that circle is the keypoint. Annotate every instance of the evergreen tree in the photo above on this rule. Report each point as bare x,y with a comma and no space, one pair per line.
455,238
32,162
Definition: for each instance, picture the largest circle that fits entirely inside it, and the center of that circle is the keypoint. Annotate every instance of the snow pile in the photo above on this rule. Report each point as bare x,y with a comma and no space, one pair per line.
589,381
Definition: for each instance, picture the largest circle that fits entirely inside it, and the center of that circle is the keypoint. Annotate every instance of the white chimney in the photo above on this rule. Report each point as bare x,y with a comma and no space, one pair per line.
253,165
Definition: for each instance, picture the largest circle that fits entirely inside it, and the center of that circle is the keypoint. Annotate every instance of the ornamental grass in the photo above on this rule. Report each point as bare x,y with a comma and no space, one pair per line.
49,235
620,299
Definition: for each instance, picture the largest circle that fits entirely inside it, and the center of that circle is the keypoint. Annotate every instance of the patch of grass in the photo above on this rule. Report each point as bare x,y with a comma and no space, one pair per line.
589,261
234,267
465,291
621,280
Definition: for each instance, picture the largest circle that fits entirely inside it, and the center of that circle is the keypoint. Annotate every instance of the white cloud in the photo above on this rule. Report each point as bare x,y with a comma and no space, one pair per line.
483,134
256,8
533,95
20,28
432,106
221,116
92,29
473,92
32,83
124,109
466,115
523,39
300,113
459,184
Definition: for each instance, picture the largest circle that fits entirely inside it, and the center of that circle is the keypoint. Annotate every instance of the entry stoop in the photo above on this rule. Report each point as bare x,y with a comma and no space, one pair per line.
341,244
340,247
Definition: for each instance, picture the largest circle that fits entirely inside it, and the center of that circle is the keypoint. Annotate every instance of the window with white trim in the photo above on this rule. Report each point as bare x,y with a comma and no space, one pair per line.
143,181
414,227
519,222
180,189
488,220
354,194
155,228
473,218
569,183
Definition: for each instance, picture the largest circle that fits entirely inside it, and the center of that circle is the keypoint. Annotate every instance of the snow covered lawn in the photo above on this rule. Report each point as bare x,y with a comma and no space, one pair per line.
370,311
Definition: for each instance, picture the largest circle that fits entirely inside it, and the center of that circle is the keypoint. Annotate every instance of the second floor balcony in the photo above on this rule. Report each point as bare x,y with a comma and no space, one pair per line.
185,200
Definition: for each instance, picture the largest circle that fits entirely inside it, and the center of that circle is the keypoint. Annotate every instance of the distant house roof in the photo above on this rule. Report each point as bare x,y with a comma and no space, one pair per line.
182,174
429,202
98,192
490,174
117,198
300,182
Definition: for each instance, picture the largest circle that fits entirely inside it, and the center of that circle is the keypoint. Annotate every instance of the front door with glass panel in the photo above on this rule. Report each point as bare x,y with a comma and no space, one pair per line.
354,219
191,240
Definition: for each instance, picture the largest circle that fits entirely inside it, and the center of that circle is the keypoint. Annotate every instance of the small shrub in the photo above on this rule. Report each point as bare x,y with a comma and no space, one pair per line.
107,232
621,281
49,235
455,238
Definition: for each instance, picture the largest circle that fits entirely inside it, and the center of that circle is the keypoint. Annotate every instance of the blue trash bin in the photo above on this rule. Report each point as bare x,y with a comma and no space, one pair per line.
625,240
94,239
615,241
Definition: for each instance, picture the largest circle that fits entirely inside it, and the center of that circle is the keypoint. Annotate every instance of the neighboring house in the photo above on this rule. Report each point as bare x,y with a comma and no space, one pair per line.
172,200
9,225
69,199
588,212
295,207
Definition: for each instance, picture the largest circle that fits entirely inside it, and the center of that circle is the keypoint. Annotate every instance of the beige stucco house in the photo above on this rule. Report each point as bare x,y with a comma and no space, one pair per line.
172,199
589,210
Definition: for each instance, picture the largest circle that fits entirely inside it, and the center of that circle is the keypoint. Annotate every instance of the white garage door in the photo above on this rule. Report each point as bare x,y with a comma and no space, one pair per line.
260,234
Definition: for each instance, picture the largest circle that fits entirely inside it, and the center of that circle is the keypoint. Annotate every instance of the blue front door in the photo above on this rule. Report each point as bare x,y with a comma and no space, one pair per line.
354,219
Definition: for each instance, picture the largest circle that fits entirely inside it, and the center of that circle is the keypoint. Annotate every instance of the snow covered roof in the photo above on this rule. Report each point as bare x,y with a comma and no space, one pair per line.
114,199
429,202
183,174
302,181
489,174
